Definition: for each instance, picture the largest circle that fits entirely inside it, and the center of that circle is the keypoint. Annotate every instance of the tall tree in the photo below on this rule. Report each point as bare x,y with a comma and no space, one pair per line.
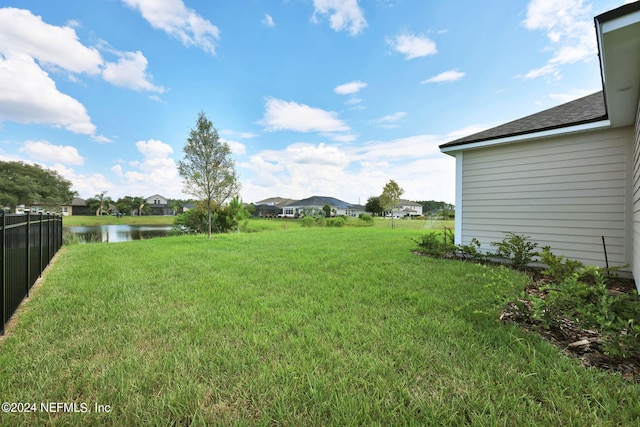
130,205
373,205
208,170
21,183
389,198
99,203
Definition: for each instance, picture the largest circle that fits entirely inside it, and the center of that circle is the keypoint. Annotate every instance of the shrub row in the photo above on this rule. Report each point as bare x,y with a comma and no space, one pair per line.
575,293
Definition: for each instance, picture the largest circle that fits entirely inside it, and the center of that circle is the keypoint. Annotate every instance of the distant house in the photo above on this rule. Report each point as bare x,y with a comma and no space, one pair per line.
568,177
270,208
316,203
77,206
406,208
158,205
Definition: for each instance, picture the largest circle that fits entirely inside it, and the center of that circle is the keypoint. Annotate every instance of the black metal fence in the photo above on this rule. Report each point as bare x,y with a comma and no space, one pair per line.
27,244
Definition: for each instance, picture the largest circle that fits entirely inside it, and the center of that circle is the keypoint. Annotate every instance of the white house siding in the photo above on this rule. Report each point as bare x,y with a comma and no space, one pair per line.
565,192
636,202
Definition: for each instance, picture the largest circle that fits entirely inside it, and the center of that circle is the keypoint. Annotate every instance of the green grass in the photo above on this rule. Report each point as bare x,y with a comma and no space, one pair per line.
315,326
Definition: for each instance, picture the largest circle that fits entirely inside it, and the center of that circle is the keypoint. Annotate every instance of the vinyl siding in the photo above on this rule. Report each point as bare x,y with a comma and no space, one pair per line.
636,202
565,192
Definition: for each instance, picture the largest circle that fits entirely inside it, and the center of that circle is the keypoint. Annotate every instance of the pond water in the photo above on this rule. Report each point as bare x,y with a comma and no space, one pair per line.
118,232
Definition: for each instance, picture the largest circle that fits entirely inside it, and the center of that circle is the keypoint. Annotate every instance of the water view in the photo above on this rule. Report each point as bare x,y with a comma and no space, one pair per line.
118,232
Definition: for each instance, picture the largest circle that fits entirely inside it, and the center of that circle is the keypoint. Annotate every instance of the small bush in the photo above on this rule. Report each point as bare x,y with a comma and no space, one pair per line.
308,221
471,251
517,249
338,221
366,218
433,245
591,306
556,268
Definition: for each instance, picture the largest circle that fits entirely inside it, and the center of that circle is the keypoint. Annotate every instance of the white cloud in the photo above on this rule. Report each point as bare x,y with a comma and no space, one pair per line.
87,185
23,32
31,96
350,88
321,154
391,120
302,170
44,151
267,21
130,71
237,148
342,137
174,18
100,138
570,96
446,76
343,15
569,27
154,149
29,46
243,135
157,172
282,115
413,46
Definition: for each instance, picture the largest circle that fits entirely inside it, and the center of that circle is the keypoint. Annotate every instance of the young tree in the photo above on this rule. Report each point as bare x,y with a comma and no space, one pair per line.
208,170
389,198
238,212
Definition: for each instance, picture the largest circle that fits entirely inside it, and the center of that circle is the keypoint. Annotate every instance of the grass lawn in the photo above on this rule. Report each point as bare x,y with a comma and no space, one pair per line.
320,326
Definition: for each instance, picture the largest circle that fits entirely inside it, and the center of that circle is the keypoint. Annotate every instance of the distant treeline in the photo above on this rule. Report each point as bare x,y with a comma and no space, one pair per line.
432,205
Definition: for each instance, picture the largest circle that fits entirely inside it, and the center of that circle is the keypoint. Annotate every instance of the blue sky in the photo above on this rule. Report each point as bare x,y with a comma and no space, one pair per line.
315,97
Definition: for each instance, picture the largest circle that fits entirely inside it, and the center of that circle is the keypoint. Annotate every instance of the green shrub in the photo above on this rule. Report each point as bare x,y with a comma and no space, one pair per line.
194,221
556,268
433,245
366,218
471,251
338,221
517,249
591,306
308,221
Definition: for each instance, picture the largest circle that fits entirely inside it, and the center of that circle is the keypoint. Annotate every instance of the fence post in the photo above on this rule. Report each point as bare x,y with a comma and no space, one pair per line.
28,252
3,294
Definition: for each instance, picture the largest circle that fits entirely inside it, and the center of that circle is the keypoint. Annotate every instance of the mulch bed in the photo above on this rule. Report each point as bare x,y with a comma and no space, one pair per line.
572,340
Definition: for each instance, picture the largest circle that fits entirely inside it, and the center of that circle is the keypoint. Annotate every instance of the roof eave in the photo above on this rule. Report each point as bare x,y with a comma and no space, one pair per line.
547,133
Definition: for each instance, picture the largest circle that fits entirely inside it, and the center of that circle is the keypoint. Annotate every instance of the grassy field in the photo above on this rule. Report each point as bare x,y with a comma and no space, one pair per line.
320,326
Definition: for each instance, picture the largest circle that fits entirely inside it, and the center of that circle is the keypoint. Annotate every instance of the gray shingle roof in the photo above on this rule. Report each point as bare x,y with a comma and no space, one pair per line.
589,109
320,201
